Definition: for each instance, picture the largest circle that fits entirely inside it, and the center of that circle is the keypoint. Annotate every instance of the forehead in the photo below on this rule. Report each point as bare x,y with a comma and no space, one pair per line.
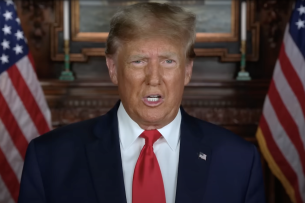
153,46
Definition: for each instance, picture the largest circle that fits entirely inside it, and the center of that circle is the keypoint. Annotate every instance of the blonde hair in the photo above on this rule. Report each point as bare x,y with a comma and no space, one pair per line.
151,19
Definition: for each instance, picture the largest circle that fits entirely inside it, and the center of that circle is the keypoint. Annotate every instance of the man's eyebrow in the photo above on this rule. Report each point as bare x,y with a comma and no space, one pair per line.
137,56
168,54
145,56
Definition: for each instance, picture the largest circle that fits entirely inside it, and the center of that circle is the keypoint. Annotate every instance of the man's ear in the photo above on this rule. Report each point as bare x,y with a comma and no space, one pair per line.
112,69
188,71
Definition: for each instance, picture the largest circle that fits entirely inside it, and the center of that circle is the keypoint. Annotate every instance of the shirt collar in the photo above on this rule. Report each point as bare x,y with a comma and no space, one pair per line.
171,132
129,130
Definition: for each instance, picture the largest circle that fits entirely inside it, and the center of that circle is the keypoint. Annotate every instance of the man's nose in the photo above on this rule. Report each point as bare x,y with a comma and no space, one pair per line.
153,73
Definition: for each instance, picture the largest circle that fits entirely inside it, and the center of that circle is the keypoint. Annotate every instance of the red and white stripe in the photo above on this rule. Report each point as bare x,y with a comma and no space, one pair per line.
283,120
5,195
24,115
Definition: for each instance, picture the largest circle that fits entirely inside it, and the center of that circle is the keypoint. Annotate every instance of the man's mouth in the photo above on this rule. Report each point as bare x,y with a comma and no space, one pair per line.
153,98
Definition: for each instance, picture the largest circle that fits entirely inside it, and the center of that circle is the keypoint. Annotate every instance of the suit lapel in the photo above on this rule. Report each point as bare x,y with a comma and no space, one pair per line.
192,170
104,159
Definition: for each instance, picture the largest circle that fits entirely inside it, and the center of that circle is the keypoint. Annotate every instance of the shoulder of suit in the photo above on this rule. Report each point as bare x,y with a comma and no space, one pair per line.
219,137
83,130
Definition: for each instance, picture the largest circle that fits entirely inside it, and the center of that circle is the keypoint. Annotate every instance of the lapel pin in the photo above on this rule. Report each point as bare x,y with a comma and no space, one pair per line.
202,156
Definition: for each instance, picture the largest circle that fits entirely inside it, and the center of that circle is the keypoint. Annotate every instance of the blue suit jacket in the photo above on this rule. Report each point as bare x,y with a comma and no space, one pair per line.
81,163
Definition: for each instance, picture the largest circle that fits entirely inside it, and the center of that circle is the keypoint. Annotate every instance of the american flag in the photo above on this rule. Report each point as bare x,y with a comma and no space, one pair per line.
281,132
24,113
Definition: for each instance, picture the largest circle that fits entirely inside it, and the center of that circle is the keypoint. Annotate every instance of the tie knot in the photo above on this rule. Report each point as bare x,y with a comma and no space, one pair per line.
150,136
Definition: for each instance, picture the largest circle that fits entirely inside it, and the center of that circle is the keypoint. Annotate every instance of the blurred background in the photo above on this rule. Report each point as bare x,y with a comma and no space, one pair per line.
215,93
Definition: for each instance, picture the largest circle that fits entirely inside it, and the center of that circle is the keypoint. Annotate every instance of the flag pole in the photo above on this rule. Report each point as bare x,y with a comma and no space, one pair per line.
66,74
243,74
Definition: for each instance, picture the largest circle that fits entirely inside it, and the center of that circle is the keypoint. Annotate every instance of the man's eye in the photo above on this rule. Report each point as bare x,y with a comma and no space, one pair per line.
169,61
137,61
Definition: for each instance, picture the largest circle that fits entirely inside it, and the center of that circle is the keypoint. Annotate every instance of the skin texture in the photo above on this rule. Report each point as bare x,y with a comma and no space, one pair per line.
154,65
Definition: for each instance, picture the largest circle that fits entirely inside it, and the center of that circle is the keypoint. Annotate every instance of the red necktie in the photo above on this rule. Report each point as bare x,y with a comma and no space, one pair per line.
147,186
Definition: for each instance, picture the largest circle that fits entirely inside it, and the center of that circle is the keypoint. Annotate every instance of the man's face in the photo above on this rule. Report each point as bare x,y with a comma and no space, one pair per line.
150,74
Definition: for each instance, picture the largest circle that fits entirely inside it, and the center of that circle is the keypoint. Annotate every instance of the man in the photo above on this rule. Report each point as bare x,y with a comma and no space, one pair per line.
147,148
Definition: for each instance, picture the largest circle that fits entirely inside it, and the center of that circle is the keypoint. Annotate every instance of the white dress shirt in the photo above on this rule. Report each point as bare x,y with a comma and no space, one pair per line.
166,149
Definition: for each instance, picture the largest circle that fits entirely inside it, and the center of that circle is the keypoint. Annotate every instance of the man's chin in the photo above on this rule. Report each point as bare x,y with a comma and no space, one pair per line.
153,119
